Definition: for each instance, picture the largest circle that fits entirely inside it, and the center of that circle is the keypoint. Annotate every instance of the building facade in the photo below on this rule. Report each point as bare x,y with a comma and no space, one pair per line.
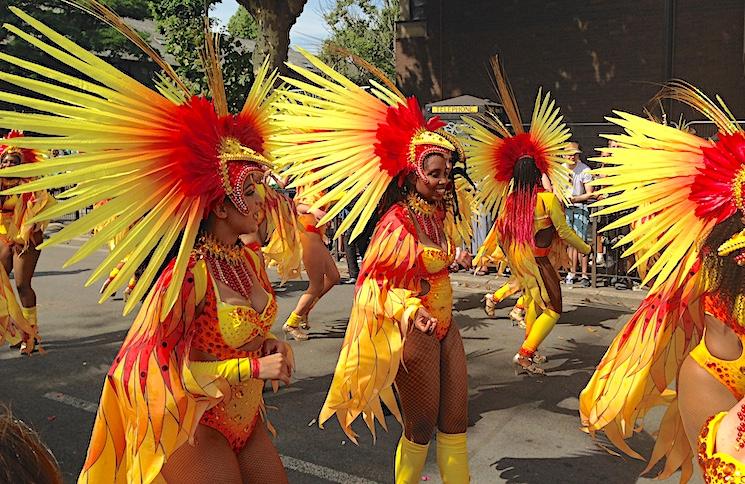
593,55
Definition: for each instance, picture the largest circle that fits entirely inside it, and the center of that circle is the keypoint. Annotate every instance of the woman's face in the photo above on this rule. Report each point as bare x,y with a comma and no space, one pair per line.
247,223
10,159
436,169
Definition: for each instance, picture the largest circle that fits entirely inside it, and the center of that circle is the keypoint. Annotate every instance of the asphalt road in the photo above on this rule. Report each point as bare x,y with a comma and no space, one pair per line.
523,430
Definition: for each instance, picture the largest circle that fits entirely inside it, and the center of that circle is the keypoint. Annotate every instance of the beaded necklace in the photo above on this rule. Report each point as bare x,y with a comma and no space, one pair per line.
227,264
425,214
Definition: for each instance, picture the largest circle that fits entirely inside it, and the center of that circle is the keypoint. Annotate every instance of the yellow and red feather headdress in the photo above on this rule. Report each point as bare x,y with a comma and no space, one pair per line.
351,143
162,160
494,148
673,188
26,155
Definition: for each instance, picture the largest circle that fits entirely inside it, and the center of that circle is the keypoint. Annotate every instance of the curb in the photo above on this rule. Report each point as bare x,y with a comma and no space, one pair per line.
597,297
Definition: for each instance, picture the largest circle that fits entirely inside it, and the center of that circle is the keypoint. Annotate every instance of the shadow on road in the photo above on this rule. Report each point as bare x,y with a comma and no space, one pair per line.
331,330
94,340
589,468
548,391
290,288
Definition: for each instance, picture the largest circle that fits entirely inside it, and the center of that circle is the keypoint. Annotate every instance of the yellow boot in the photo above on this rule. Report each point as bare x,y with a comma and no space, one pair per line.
410,458
452,458
30,315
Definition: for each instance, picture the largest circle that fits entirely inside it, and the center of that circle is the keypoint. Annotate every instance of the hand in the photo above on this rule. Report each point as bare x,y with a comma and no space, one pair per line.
317,213
465,260
274,346
275,367
424,322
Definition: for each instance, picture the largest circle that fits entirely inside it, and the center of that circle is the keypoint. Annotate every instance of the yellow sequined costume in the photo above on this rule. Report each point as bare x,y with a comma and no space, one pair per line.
18,232
678,187
347,146
162,160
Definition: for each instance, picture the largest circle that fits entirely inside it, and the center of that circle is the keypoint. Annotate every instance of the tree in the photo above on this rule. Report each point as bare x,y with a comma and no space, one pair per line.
275,19
182,24
242,25
84,29
365,28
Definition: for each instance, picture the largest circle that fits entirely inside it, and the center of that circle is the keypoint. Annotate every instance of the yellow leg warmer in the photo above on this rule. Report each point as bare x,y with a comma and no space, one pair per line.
520,302
294,320
539,331
30,315
410,459
502,292
531,314
452,458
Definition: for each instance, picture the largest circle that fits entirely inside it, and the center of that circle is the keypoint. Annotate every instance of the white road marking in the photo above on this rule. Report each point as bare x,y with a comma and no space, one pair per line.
72,401
322,472
331,475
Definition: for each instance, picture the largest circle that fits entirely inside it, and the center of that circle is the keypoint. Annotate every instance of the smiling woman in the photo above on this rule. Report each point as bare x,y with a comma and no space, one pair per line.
374,151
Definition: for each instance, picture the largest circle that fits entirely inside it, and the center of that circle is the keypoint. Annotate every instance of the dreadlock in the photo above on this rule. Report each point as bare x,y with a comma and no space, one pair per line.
516,222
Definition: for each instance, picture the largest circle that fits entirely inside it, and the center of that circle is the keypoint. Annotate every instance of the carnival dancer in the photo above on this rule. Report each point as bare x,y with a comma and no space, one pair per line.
491,253
364,148
688,210
19,253
319,264
508,168
182,401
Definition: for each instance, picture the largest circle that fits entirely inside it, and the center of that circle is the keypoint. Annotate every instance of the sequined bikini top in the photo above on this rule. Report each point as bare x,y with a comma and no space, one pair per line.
240,324
436,259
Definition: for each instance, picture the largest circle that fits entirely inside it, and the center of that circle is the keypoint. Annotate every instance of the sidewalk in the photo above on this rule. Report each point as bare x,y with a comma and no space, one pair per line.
597,297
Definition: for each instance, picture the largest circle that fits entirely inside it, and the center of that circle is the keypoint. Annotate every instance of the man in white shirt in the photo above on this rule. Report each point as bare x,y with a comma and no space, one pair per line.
578,212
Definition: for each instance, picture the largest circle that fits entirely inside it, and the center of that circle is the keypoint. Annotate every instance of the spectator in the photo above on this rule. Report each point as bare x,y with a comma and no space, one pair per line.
578,212
24,459
357,247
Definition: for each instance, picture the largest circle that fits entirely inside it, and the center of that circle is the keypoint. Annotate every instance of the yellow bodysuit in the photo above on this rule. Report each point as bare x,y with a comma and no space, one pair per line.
439,299
535,269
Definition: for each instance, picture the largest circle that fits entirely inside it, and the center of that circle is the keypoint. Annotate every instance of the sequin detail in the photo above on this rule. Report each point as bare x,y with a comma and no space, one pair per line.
241,324
718,468
439,300
236,419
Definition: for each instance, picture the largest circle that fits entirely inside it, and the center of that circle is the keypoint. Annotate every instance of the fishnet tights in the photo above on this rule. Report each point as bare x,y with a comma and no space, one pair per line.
432,386
212,460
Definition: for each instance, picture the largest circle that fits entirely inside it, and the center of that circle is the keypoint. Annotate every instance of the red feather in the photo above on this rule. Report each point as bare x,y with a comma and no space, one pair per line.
712,187
195,142
512,149
27,155
401,124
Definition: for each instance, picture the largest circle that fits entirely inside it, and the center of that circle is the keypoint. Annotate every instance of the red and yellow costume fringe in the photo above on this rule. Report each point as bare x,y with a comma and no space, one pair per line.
680,186
346,147
162,160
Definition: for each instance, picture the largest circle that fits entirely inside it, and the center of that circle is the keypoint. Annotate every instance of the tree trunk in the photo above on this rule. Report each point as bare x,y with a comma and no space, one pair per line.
275,18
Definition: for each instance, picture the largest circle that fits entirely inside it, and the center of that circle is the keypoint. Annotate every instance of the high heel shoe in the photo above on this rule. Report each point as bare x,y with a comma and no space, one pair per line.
518,317
295,333
490,307
304,323
538,359
532,369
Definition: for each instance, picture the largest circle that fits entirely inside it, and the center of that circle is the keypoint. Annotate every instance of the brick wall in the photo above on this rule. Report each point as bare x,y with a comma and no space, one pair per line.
594,55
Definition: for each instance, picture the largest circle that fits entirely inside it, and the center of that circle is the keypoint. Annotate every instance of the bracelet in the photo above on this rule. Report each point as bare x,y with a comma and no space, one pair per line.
255,368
